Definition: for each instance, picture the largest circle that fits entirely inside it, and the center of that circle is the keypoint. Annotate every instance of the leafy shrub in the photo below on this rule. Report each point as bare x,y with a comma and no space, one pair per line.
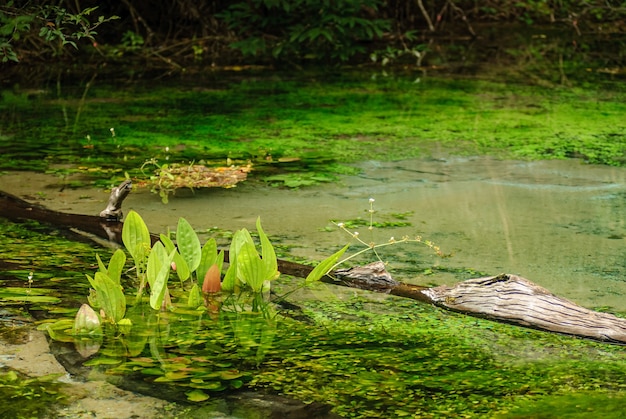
287,30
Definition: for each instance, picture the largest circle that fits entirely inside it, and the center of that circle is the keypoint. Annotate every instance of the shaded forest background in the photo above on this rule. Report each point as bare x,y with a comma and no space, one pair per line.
565,34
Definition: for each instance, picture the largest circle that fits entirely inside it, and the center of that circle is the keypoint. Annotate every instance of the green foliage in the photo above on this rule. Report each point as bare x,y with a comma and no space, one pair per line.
247,267
25,397
58,27
108,297
115,267
136,238
349,119
325,266
182,269
368,357
288,30
188,244
157,273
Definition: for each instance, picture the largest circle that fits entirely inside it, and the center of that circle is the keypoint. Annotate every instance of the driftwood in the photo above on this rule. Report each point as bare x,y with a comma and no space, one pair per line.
16,209
113,211
505,298
513,299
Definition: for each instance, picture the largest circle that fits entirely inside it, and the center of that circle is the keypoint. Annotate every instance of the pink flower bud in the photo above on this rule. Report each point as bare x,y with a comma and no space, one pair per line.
212,282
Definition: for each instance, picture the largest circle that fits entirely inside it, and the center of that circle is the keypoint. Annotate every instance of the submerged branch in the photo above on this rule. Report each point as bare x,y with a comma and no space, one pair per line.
504,298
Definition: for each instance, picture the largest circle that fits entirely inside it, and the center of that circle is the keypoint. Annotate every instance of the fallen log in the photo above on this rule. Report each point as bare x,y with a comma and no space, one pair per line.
16,209
513,299
504,298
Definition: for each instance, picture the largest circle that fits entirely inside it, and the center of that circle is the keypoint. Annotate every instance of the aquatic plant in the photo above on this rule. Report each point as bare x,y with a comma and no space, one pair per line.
238,308
170,177
25,397
372,246
244,287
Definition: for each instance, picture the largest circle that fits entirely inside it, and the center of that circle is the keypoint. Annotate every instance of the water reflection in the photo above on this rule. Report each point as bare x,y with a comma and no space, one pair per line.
557,223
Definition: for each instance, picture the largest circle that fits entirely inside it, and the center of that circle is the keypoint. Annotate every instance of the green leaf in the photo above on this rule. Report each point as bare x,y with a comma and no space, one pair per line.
324,266
230,278
156,259
101,266
250,268
182,270
116,266
102,361
136,237
267,252
195,297
188,244
109,296
158,272
197,396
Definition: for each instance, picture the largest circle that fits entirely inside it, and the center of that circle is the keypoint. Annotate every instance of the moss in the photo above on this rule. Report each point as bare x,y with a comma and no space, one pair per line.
314,125
25,398
417,361
369,356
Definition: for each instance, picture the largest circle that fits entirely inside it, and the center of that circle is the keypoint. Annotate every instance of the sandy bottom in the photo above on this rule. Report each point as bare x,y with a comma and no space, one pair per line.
91,399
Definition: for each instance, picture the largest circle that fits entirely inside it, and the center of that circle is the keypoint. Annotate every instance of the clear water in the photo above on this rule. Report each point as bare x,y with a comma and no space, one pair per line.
558,223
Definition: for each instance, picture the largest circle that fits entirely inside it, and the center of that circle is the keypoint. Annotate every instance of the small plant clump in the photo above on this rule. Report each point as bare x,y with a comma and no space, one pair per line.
372,246
29,397
220,306
170,177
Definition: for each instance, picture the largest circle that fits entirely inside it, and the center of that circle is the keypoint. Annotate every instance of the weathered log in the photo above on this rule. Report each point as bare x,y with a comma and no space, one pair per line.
503,298
16,209
107,225
113,211
513,299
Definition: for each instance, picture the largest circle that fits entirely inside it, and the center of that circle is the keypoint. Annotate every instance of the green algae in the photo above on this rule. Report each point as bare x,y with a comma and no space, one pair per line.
366,358
307,130
25,398
417,361
41,266
367,355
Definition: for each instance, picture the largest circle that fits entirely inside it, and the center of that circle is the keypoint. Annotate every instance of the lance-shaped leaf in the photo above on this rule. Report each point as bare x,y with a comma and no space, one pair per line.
250,268
267,253
136,237
325,266
101,265
188,244
158,272
195,297
116,266
109,296
182,270
232,277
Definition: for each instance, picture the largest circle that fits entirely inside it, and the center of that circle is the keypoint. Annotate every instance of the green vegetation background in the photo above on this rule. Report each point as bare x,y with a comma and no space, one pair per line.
300,130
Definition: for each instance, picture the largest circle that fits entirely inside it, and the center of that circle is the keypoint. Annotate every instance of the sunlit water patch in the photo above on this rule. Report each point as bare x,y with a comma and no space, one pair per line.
557,223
